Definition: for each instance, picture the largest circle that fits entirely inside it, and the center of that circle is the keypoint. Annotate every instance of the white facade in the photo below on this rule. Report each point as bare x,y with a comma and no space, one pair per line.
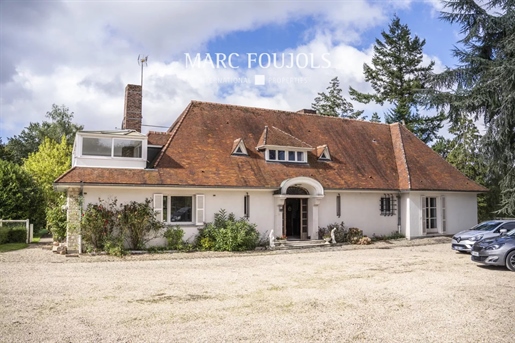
268,208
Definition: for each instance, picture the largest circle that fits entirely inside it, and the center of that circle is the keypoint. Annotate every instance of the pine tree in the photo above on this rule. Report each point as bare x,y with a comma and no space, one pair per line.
483,84
375,118
396,76
334,104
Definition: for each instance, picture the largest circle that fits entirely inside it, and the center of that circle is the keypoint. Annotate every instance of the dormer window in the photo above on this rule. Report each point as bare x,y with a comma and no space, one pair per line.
239,148
286,155
323,153
280,146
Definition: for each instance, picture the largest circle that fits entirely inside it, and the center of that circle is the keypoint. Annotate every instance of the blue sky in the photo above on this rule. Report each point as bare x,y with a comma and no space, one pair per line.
82,54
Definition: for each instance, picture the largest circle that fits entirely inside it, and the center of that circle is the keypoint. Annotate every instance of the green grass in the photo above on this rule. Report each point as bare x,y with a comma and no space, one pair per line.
12,246
35,239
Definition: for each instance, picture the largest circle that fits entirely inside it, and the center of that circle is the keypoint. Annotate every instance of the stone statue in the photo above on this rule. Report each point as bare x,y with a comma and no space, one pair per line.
333,240
271,238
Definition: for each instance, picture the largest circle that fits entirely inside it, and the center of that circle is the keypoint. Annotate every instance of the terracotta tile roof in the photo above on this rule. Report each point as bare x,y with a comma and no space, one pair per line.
158,138
365,155
275,136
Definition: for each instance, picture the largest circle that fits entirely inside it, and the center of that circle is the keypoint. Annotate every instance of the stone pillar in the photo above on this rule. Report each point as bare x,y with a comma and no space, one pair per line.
73,216
278,215
313,217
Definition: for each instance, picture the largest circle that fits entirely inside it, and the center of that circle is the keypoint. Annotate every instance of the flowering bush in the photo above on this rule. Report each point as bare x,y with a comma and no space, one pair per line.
364,241
107,225
354,235
99,222
138,223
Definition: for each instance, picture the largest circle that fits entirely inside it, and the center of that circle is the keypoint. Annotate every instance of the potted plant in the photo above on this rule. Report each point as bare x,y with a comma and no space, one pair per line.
327,238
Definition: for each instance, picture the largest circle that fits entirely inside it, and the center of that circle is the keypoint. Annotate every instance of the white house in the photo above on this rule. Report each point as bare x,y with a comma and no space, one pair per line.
290,172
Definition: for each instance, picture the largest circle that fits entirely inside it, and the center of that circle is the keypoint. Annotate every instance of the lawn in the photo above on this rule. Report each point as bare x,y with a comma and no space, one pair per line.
12,246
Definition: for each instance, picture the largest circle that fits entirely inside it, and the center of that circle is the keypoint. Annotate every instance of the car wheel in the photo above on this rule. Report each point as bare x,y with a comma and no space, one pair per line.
510,261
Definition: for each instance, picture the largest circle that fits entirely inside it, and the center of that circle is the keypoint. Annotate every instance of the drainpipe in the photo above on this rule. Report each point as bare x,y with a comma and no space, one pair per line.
399,212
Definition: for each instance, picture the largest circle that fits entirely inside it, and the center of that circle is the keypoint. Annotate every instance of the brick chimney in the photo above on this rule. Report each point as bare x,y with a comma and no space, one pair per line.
132,115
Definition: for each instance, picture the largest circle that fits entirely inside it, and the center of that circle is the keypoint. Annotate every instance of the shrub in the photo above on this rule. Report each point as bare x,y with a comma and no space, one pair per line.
228,234
98,223
340,234
354,235
114,246
138,223
174,236
4,235
20,196
364,241
17,235
56,220
393,235
106,226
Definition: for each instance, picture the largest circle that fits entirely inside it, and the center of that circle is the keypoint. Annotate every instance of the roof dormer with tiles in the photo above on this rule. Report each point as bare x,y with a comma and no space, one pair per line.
280,146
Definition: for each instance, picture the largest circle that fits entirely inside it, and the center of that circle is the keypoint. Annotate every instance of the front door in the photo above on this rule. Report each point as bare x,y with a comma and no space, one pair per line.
296,218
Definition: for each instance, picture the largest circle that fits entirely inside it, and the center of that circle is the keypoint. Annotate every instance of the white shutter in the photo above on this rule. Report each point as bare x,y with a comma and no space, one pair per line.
444,223
200,206
158,206
423,209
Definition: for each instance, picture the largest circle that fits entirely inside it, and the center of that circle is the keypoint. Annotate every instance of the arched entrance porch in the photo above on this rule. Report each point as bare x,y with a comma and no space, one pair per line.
296,210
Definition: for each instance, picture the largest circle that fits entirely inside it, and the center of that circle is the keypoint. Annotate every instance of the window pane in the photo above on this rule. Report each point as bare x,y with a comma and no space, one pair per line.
180,209
271,155
96,146
291,155
127,148
300,156
281,155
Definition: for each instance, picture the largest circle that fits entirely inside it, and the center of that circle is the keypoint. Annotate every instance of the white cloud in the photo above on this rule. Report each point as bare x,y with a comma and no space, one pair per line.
82,54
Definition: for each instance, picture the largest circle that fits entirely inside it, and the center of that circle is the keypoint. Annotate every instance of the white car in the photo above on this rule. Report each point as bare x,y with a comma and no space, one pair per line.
464,240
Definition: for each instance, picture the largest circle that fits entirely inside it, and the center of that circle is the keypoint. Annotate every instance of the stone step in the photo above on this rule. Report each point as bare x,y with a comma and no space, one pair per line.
301,244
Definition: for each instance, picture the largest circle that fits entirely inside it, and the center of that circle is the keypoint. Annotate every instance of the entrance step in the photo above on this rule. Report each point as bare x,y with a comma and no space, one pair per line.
285,245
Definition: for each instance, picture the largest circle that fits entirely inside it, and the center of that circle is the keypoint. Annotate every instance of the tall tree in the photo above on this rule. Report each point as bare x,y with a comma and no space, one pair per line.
20,195
396,76
51,160
19,147
5,154
334,104
466,153
483,84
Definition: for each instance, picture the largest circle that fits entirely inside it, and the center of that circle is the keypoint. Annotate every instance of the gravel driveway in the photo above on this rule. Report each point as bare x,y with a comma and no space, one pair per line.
405,291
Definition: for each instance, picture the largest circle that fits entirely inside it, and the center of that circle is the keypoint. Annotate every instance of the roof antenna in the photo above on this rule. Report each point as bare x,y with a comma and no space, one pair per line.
142,61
